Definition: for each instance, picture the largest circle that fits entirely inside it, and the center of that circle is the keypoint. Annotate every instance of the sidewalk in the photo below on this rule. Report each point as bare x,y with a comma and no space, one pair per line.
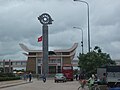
5,84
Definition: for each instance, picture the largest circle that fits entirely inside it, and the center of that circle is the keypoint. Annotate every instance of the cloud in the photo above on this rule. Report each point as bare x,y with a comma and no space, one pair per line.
19,24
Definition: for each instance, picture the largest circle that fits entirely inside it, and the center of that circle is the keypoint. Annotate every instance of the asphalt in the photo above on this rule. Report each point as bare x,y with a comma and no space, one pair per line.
5,84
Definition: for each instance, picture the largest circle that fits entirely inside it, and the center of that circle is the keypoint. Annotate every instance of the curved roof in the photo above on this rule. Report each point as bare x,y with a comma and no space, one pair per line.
25,48
68,50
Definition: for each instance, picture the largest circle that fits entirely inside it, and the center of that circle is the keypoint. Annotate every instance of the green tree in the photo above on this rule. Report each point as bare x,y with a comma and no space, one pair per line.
94,59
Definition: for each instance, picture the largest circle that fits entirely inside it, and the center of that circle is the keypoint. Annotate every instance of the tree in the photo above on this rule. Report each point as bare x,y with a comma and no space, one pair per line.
92,60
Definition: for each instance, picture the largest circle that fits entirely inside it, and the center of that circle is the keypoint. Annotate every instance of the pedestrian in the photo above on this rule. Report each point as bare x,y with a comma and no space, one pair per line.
27,76
82,80
44,78
30,77
104,79
38,76
81,76
76,77
24,76
91,81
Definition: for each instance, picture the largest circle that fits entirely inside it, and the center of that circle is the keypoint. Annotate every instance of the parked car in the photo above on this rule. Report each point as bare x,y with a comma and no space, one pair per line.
60,77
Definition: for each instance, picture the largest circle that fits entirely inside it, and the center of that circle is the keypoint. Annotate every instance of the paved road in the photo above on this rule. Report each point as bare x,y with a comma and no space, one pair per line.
49,85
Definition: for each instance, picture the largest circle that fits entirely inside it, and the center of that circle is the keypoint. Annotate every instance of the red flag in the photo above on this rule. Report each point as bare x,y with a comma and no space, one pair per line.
40,39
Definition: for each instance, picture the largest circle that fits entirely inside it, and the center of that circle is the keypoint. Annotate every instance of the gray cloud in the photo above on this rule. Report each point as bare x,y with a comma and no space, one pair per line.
19,24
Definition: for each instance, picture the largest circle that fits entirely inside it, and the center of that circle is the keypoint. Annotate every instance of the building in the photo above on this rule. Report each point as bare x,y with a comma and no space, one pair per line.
117,61
10,65
57,58
75,64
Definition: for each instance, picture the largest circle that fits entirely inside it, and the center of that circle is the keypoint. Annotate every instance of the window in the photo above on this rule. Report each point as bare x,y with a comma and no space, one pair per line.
52,69
58,60
17,63
66,68
39,69
6,63
13,63
1,63
113,69
32,53
52,61
23,63
59,69
39,60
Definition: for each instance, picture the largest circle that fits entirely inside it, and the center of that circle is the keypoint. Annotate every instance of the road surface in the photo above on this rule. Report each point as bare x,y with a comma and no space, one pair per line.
49,85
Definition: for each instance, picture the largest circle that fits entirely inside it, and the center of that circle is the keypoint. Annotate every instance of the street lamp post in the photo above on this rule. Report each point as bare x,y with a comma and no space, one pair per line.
82,38
88,22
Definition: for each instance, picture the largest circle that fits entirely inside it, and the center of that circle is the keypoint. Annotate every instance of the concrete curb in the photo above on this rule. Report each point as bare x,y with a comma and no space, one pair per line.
12,84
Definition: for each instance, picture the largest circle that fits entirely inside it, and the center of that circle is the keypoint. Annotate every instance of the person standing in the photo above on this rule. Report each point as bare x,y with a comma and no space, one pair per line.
104,79
38,76
76,77
30,77
24,76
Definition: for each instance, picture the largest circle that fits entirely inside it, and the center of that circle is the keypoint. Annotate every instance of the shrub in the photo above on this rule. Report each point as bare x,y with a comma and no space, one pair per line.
8,76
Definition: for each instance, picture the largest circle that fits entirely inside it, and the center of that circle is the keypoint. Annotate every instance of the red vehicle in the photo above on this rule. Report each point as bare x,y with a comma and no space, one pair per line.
67,70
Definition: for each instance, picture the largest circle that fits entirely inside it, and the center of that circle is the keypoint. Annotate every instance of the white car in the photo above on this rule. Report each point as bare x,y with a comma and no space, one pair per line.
59,77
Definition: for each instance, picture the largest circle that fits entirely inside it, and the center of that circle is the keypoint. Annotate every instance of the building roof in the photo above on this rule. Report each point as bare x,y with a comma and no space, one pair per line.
25,48
59,53
68,50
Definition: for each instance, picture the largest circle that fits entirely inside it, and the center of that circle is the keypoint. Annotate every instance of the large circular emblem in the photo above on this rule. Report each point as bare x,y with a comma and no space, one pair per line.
45,19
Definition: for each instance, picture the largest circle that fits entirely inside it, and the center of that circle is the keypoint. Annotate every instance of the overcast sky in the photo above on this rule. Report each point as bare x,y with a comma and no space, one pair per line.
19,24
